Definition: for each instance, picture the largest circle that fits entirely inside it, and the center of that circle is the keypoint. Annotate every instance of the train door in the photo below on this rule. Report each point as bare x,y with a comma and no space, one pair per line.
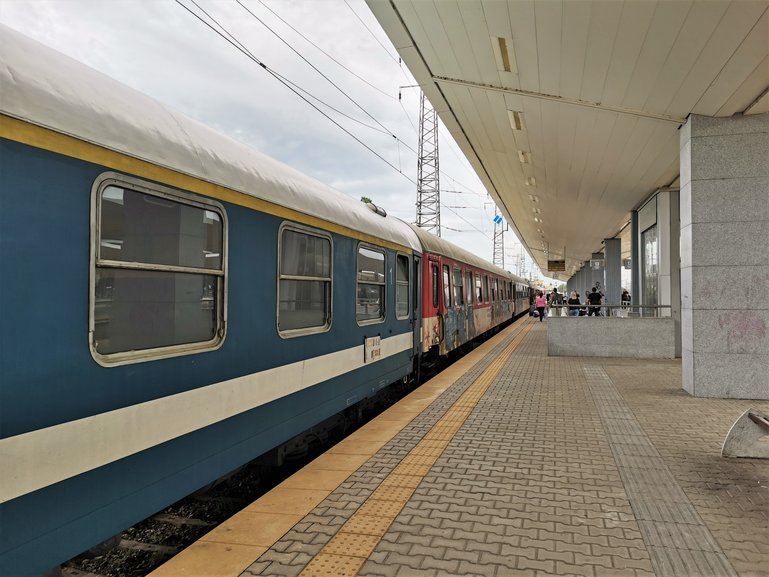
448,323
470,299
432,327
460,307
416,306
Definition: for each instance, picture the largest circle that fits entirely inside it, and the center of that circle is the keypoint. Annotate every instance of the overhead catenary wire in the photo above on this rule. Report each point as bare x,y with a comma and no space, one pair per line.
231,39
315,68
326,53
234,42
397,60
385,130
310,95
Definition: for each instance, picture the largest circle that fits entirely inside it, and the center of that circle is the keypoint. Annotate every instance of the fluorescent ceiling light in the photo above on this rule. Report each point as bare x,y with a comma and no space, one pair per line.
516,120
504,54
530,181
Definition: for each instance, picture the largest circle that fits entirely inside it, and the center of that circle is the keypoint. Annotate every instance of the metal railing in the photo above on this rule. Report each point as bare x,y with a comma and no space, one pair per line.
620,311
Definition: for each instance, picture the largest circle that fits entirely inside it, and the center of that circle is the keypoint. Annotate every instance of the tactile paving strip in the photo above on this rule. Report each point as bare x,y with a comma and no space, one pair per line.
387,501
677,539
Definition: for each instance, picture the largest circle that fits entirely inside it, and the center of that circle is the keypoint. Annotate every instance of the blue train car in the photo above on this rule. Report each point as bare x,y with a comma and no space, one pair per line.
174,305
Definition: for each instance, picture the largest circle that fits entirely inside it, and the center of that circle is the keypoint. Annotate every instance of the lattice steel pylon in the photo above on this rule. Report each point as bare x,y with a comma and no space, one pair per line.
499,240
428,190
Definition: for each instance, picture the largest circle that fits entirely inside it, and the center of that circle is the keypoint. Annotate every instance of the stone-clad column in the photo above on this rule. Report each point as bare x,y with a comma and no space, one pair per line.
612,271
635,259
725,256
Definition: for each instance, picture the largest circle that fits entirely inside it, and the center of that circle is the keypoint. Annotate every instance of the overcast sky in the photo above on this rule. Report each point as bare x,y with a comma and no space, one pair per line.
161,49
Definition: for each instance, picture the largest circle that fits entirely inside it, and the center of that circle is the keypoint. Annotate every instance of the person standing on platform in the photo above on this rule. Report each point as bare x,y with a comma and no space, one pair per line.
625,300
573,303
594,301
556,300
540,303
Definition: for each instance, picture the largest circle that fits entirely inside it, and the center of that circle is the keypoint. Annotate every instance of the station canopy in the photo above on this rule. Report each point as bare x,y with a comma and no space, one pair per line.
569,111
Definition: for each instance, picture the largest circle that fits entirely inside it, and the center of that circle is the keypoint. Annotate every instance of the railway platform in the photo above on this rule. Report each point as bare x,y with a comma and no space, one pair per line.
513,463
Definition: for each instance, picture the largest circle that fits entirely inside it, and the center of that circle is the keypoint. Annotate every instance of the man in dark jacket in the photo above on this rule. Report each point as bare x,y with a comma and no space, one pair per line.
594,300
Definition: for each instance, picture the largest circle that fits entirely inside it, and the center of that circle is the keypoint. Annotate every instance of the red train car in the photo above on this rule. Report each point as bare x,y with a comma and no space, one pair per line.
463,296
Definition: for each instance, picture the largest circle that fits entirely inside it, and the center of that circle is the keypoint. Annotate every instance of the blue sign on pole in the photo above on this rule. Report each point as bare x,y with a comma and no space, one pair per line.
497,219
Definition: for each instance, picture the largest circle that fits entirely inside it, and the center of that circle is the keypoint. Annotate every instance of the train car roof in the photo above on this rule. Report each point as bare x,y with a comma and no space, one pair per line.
437,245
46,88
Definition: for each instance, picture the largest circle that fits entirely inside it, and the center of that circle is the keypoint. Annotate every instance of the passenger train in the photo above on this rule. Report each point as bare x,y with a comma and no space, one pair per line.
175,304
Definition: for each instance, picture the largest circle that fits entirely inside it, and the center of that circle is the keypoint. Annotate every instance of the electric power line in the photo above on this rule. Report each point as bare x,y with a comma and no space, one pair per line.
326,53
397,60
337,87
231,39
313,67
234,42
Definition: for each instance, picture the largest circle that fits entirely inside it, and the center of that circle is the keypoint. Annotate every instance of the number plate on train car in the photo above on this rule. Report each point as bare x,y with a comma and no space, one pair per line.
372,349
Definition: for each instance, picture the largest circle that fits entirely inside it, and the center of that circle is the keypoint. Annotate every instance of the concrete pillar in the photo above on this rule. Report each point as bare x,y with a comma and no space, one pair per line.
596,274
612,271
669,280
635,259
584,280
725,256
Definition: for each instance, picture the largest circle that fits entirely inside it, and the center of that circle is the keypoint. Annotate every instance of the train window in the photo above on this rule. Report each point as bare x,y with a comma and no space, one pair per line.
486,287
459,297
436,289
469,288
304,281
446,287
158,273
478,288
402,286
370,304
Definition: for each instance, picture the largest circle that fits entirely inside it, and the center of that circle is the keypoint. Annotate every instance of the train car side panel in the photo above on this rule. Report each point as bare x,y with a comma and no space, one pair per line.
151,437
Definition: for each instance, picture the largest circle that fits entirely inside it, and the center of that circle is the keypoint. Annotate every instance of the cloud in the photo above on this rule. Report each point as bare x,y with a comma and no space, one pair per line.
160,49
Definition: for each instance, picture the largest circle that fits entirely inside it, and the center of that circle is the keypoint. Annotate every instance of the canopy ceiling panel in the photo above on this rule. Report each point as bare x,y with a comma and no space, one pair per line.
569,110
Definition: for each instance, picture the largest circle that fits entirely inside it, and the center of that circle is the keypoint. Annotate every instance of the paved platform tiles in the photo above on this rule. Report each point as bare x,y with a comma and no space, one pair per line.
514,463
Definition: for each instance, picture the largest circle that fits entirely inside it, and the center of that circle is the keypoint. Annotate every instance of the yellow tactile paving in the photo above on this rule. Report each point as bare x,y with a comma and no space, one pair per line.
391,493
368,525
387,502
325,564
412,459
353,544
395,480
381,508
221,553
415,469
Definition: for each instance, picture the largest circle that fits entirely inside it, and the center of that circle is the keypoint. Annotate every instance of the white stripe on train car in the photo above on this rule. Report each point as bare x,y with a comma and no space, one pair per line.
41,458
